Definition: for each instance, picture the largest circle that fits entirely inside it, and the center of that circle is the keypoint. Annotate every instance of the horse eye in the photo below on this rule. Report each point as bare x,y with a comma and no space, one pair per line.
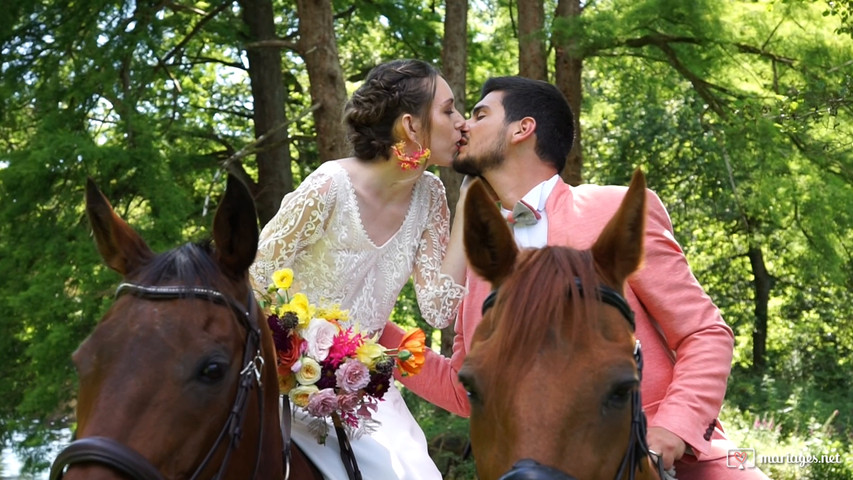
472,394
212,372
468,383
620,395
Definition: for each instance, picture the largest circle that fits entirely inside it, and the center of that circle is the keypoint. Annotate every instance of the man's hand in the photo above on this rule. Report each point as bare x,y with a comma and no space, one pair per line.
669,446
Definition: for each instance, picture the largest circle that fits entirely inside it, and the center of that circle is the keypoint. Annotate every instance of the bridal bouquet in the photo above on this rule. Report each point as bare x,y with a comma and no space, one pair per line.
329,369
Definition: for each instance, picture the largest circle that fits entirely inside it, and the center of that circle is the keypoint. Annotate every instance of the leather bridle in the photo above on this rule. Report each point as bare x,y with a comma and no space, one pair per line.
125,460
638,447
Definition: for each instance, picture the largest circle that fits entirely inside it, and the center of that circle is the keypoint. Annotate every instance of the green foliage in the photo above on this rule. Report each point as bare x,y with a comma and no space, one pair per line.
376,31
811,450
736,141
843,9
492,47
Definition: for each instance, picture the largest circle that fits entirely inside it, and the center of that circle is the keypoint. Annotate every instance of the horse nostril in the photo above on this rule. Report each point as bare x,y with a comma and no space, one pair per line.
529,469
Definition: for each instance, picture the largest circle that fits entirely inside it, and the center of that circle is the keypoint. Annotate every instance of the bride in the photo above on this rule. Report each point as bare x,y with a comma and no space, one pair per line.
356,229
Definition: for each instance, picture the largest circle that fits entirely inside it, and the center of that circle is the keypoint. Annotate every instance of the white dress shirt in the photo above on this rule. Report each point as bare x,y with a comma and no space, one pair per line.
535,235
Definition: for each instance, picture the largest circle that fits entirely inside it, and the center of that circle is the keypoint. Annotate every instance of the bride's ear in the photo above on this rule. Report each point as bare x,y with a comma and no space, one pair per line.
408,127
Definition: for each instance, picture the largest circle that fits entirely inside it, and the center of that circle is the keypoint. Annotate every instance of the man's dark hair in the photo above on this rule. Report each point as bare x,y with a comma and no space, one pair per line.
524,97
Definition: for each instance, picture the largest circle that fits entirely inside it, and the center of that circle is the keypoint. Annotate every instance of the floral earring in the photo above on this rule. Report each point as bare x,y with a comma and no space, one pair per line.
413,161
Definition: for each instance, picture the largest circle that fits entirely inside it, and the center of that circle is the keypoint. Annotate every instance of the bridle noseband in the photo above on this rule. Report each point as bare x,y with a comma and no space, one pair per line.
123,459
638,447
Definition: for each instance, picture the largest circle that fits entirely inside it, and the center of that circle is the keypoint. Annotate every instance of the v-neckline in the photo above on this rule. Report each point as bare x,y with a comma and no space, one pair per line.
353,197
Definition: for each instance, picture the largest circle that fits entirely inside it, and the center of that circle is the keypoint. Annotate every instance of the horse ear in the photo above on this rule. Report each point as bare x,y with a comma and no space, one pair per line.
489,243
120,246
235,229
618,252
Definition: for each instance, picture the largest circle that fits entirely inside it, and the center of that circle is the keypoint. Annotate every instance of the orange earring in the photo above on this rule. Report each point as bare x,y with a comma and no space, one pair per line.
413,161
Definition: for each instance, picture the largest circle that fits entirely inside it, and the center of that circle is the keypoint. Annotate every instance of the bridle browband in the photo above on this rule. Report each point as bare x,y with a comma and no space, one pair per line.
129,462
605,294
638,447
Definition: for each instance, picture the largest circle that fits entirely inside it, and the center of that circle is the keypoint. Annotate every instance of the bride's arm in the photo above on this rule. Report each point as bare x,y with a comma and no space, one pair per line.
439,271
300,221
455,263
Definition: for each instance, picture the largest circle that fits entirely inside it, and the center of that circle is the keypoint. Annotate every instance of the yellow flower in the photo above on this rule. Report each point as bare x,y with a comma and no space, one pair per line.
301,307
300,395
286,383
333,313
369,352
283,278
310,371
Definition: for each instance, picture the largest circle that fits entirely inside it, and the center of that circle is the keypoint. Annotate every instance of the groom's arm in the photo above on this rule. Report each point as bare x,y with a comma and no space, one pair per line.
437,381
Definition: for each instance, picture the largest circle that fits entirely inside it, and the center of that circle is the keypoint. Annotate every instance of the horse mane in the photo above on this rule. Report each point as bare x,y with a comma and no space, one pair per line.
188,264
532,312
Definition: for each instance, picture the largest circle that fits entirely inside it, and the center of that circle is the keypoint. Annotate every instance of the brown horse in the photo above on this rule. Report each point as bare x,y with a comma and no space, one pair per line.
178,379
553,373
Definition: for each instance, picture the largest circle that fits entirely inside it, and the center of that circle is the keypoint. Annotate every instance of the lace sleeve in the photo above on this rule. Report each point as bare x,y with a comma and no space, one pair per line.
438,295
299,222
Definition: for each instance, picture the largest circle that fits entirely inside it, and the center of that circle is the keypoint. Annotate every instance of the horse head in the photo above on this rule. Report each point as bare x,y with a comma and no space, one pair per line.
553,373
178,378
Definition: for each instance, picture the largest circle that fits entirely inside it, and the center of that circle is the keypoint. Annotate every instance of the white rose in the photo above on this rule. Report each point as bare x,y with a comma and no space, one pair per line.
320,335
309,372
301,394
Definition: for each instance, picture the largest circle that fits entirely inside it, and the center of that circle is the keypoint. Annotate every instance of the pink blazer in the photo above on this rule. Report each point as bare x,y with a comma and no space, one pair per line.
687,347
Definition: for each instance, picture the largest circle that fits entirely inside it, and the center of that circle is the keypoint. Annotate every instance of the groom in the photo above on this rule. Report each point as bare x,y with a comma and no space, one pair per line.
517,139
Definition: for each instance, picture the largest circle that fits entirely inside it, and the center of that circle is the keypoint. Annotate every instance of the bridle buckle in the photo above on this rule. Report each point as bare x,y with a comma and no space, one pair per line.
256,366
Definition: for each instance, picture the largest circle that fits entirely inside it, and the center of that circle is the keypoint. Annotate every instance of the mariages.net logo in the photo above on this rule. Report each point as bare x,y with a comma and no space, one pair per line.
743,458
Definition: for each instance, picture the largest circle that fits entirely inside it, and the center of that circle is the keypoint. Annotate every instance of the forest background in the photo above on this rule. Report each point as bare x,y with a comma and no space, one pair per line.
738,111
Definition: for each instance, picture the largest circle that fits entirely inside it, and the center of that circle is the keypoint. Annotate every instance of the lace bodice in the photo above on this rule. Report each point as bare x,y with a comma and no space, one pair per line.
319,234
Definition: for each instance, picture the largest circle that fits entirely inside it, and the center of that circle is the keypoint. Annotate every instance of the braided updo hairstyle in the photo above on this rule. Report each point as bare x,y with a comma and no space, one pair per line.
390,90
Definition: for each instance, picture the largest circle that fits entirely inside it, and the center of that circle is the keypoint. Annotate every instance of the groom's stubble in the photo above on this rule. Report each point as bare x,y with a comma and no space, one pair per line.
477,165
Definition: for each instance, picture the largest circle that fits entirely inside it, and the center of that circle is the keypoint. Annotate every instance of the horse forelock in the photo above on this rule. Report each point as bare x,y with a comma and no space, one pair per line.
531,312
188,264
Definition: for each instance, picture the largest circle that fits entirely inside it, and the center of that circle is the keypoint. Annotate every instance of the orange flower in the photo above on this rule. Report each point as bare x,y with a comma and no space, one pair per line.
286,358
410,353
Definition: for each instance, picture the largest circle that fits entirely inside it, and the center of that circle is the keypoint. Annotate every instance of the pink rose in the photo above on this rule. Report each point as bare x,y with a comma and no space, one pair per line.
322,403
348,402
352,376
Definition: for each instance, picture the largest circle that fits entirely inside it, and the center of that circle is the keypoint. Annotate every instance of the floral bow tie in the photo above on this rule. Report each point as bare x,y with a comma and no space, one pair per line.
523,214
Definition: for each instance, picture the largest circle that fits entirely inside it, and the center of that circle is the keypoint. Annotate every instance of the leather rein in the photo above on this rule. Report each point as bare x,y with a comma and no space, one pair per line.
125,460
638,447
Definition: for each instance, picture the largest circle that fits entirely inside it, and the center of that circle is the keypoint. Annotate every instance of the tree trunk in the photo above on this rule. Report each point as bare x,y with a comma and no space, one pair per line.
568,66
269,96
532,55
762,283
454,60
318,47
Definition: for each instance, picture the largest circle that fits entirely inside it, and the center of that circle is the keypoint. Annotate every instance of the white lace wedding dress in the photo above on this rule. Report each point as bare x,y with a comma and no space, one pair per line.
319,234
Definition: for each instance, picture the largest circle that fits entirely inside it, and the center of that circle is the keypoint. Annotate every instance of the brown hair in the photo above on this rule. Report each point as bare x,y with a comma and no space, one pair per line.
390,90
